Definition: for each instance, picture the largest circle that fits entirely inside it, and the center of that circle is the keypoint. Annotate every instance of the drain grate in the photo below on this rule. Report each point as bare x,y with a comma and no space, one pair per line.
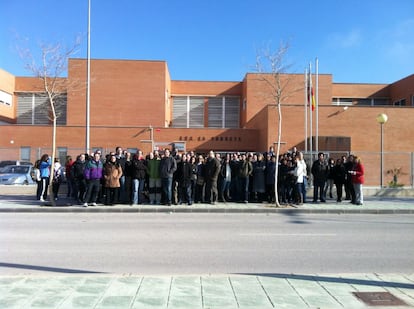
379,299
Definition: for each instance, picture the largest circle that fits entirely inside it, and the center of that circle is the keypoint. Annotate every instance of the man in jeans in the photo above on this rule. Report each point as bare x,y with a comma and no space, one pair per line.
168,166
246,170
320,174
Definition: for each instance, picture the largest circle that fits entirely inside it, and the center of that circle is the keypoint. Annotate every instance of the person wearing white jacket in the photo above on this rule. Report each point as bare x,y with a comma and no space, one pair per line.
57,178
301,181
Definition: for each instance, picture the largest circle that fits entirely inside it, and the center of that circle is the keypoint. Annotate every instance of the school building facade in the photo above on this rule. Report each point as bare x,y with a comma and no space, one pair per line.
137,105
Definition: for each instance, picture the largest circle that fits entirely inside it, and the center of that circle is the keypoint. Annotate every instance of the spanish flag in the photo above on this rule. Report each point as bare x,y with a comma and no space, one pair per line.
311,94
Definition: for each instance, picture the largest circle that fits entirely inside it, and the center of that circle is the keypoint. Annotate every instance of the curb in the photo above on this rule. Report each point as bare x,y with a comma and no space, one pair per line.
267,210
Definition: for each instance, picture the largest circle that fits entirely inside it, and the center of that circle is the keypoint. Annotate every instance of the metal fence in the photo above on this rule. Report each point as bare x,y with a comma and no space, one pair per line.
33,154
398,167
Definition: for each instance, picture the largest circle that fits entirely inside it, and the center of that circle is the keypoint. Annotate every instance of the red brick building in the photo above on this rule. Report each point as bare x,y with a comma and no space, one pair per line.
136,105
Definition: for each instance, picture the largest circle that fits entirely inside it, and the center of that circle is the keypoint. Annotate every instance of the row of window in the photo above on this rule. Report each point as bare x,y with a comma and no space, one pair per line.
370,102
26,153
33,108
360,101
222,112
188,111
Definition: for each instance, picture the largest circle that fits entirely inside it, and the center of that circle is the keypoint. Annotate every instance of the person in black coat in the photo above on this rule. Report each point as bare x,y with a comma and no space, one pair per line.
283,181
235,184
77,171
168,166
200,182
212,170
138,174
349,187
320,174
339,174
185,181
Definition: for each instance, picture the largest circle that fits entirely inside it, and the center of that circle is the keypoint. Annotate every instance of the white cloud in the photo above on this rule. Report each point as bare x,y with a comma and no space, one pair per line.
350,39
400,51
398,42
404,29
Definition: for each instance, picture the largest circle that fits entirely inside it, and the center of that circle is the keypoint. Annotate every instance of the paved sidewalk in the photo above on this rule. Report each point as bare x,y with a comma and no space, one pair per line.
83,290
259,291
372,205
22,199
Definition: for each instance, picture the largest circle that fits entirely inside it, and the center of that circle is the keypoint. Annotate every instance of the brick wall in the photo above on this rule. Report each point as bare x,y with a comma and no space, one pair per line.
123,92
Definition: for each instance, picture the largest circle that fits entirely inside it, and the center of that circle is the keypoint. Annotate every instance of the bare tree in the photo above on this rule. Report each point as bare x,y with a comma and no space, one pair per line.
271,66
50,69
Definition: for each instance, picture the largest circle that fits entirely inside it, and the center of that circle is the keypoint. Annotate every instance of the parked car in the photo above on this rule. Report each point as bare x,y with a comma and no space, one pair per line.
16,175
5,163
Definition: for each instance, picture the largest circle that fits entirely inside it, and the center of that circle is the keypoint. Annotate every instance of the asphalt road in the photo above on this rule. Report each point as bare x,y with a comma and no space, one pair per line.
205,243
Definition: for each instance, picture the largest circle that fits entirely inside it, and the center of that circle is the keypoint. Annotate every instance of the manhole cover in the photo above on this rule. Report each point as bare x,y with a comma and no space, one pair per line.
379,299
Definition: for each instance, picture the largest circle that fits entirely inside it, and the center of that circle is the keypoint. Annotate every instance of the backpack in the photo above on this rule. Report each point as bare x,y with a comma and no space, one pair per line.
57,176
35,174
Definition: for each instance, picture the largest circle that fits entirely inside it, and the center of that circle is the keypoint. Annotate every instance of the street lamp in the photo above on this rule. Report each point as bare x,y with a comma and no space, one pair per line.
88,83
381,119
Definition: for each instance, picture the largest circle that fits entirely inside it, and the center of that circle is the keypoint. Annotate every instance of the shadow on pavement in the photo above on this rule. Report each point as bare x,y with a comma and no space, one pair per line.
29,200
49,269
368,282
20,199
295,217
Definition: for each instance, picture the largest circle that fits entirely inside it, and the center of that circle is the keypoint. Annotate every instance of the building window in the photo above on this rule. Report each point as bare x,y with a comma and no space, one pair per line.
179,146
365,102
25,153
188,112
215,112
342,101
34,109
399,102
6,98
132,151
381,101
62,152
224,112
361,101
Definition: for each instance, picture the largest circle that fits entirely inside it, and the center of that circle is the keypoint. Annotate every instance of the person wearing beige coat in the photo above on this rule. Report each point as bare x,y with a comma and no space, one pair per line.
112,174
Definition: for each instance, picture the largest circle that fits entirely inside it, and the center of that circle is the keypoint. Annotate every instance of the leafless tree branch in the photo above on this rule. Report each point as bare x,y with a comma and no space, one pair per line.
50,70
270,64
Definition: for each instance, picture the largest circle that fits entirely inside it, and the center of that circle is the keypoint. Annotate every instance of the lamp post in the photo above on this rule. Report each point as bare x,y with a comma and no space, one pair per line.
382,119
88,83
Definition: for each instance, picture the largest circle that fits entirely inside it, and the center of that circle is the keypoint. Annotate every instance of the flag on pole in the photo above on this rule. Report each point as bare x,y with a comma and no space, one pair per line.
311,93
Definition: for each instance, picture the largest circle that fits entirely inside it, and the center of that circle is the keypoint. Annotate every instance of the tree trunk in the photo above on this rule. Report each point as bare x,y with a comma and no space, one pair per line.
279,137
52,167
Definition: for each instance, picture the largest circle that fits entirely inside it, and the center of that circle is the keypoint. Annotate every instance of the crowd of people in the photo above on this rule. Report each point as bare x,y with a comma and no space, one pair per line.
170,177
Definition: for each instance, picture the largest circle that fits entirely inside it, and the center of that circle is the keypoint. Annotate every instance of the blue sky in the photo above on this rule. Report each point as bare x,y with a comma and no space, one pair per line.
361,41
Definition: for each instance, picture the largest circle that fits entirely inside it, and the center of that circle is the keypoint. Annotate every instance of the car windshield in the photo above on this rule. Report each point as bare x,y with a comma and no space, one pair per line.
13,169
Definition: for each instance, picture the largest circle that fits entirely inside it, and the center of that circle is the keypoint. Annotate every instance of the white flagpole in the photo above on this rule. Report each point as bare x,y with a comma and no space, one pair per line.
310,112
88,79
306,110
317,104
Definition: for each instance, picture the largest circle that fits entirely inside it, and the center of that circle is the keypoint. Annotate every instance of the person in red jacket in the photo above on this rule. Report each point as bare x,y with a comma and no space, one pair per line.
357,173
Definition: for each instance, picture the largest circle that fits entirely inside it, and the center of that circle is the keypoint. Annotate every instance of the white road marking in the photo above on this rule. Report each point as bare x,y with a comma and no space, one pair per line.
289,234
